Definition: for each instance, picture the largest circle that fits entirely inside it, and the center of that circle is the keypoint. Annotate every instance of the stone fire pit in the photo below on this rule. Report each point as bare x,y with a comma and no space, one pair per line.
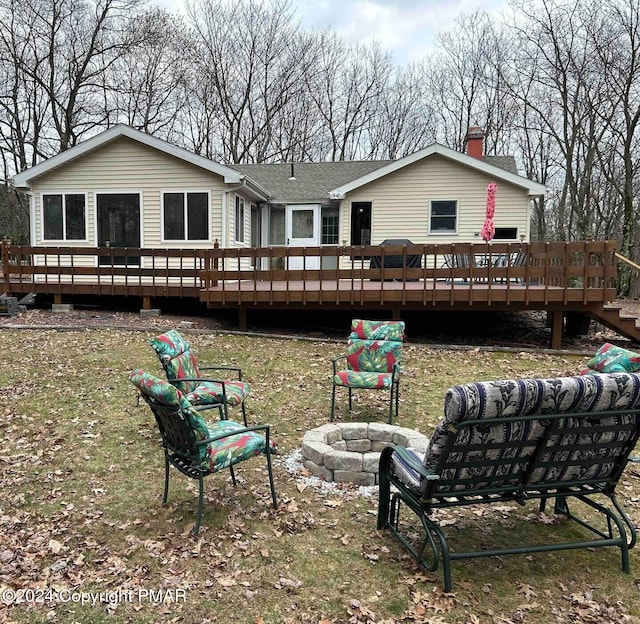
350,452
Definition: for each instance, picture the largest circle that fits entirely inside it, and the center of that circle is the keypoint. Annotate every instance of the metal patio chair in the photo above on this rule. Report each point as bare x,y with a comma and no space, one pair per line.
197,448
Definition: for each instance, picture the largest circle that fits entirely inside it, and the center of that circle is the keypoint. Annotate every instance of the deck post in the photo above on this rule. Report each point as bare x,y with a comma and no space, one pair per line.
557,321
4,267
146,302
396,313
57,299
242,319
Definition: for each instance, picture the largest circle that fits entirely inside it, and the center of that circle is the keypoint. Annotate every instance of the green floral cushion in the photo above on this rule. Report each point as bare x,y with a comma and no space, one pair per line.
177,359
376,330
236,448
612,359
353,379
210,392
167,394
373,356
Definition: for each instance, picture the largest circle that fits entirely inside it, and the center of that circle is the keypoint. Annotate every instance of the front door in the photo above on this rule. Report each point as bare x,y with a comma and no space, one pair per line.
118,224
303,230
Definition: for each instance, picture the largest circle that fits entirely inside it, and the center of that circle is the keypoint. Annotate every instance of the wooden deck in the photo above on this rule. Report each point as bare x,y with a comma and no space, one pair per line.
561,278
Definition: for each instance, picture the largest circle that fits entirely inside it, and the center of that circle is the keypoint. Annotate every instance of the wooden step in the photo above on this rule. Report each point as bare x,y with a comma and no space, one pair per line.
624,324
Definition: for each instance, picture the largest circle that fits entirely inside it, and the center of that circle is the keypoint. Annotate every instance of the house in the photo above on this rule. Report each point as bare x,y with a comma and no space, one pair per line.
124,188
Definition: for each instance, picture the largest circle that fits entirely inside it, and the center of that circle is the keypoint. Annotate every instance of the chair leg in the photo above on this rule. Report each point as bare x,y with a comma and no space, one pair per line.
397,397
333,402
270,471
391,393
350,400
233,475
244,414
165,495
196,529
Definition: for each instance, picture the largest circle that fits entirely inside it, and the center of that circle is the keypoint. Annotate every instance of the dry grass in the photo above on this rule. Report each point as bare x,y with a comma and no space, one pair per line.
82,481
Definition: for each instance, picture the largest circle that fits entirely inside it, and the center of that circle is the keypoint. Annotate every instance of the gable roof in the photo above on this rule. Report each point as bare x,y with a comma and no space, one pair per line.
23,179
315,182
484,165
312,182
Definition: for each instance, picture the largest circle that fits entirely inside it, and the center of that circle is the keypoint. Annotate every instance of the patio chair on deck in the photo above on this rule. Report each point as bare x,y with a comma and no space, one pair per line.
456,261
371,364
182,370
194,447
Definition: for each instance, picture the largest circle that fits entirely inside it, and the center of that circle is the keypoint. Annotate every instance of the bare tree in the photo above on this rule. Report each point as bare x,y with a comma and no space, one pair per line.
147,85
251,59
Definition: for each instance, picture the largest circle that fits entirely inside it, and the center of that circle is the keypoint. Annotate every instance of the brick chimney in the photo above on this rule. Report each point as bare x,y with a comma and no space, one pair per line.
473,141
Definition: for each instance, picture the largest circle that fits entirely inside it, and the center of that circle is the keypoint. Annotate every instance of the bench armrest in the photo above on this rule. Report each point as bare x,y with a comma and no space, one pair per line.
407,458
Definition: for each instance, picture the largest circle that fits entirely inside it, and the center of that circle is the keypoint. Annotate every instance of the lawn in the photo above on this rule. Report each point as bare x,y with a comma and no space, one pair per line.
81,518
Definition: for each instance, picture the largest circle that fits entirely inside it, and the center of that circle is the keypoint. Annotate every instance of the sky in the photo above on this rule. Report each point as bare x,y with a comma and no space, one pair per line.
406,28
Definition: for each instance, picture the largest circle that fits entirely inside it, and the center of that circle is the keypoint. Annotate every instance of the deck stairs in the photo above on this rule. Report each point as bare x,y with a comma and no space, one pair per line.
612,316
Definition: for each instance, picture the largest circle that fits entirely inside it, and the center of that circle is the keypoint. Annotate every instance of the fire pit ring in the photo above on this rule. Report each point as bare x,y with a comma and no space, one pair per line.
350,452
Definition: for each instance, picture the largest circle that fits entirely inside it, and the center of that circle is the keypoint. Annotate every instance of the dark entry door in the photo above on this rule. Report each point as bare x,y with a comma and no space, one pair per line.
119,224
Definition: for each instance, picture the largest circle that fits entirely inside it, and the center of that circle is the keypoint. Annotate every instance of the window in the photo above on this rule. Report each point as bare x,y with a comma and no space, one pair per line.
506,234
361,223
186,216
63,216
443,217
239,235
330,220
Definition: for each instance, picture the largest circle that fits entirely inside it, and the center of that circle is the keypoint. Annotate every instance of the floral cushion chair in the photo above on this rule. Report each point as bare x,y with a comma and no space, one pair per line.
197,448
372,365
182,370
377,330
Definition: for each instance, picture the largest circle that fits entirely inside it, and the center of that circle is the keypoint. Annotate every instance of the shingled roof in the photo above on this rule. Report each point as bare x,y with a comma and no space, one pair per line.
313,181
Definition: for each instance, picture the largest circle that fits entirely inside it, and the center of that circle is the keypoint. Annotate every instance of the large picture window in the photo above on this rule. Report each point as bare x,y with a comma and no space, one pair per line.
239,229
444,217
185,216
64,216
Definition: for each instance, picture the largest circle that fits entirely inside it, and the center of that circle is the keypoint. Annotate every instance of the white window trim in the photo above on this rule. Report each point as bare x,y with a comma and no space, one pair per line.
184,192
453,232
64,239
235,220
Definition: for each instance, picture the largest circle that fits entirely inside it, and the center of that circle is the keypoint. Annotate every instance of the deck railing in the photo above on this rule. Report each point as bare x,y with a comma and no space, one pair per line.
101,271
418,274
560,272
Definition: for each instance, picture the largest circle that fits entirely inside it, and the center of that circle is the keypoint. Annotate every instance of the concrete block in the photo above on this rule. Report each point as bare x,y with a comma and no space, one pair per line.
150,313
419,442
315,451
354,431
378,445
402,436
313,435
322,472
357,478
359,446
62,308
340,445
343,460
381,431
331,431
371,462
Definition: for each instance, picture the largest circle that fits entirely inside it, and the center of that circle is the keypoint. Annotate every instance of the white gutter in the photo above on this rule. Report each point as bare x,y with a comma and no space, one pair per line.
223,242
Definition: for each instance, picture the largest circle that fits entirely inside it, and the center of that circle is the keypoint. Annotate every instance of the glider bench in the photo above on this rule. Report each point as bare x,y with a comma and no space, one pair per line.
518,440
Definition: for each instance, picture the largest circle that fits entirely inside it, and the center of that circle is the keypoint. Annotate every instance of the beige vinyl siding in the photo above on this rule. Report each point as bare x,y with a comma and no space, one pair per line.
400,203
126,166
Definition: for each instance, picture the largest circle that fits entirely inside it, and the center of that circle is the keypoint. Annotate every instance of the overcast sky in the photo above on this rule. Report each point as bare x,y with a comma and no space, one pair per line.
407,28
